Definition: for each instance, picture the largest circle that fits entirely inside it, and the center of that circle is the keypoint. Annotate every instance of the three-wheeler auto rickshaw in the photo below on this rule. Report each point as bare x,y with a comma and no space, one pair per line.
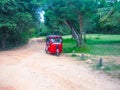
54,44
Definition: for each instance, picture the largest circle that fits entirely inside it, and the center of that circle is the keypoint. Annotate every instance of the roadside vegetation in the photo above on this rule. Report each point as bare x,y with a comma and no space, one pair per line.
18,22
96,44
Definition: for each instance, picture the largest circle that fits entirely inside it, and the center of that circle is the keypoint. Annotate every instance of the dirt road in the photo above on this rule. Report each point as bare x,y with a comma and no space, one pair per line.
29,68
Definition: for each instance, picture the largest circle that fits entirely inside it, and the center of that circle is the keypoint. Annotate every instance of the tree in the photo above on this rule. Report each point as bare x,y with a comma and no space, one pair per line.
16,18
71,13
110,21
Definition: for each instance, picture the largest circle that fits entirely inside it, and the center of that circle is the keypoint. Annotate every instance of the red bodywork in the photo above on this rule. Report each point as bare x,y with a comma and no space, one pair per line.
54,44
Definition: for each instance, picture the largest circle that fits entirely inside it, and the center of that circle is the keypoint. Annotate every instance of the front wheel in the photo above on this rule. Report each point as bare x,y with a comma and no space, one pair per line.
57,53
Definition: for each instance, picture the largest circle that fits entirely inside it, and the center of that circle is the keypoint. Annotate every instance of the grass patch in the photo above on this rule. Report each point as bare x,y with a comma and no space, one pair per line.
80,58
73,55
109,66
69,45
96,44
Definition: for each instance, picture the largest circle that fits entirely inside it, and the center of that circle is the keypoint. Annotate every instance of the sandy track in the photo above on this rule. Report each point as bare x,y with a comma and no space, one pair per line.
29,68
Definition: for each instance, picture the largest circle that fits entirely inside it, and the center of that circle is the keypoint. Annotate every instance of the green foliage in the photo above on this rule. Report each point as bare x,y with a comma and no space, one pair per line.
59,11
17,17
43,31
109,20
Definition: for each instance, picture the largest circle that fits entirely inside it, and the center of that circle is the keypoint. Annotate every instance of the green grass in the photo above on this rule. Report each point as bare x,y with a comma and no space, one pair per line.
96,44
109,66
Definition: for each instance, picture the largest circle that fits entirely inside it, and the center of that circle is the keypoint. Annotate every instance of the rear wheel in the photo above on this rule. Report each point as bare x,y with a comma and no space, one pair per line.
46,50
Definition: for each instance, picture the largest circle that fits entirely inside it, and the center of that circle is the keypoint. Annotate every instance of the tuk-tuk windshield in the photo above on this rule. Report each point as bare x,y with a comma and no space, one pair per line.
56,40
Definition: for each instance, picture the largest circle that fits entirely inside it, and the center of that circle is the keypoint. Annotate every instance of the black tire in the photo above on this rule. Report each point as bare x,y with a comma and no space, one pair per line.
57,53
46,51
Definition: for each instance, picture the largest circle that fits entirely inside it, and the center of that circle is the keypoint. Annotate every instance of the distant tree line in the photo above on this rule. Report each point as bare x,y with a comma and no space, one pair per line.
19,19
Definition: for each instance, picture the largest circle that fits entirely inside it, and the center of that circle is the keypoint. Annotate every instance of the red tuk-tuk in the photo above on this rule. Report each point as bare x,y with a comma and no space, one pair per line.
54,44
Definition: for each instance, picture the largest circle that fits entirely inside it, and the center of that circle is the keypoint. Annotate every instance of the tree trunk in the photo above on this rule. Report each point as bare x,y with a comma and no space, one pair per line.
74,32
73,35
77,37
3,44
81,26
4,37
